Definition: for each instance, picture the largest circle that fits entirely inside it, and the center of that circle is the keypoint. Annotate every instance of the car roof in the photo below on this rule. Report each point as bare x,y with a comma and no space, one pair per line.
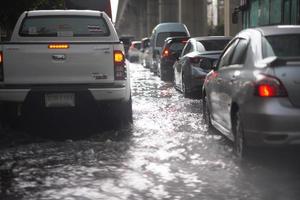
170,27
177,38
212,38
278,30
135,42
64,12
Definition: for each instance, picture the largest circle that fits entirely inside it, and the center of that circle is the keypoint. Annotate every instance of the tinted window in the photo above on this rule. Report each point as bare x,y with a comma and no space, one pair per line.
161,37
239,52
214,45
281,46
207,63
64,26
137,45
176,46
227,55
187,49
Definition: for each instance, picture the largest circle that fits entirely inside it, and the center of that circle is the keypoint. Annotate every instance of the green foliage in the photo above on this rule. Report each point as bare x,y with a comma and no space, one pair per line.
10,10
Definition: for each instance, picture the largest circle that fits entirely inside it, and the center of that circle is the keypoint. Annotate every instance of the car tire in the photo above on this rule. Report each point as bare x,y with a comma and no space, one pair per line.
240,147
206,112
185,92
126,112
163,76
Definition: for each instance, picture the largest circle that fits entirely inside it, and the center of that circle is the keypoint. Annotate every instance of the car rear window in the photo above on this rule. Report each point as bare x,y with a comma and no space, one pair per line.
64,26
281,46
161,37
177,46
137,45
214,45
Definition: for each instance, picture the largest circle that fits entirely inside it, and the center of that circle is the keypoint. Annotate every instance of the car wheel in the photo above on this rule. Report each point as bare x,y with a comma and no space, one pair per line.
126,111
163,76
241,149
206,112
184,88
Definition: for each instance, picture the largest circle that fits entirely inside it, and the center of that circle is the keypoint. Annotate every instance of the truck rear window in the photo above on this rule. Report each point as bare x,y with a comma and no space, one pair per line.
64,26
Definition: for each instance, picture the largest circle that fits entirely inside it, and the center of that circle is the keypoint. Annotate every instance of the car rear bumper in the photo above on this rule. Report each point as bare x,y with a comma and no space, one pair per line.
100,92
271,122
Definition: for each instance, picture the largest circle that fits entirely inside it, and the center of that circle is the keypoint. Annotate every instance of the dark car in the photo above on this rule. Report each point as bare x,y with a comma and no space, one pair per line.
171,51
197,59
253,95
126,42
159,34
145,52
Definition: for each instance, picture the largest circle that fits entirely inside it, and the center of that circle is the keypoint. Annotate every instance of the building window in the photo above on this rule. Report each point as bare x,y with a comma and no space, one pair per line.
275,11
254,13
286,12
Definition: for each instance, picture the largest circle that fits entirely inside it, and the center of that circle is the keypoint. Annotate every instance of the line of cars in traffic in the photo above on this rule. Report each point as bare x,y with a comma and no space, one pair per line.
249,84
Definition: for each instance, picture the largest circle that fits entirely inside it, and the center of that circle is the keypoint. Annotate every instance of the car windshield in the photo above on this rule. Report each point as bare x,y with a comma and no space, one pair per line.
162,36
214,45
64,26
281,46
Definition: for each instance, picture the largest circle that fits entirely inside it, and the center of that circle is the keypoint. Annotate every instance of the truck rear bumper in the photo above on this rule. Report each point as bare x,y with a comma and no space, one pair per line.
100,93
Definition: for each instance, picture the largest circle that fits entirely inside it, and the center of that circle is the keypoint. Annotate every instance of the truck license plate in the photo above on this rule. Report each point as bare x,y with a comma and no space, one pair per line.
60,100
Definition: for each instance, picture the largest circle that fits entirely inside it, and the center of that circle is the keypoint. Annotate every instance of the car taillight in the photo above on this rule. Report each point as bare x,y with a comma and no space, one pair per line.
1,66
120,66
165,52
269,86
195,60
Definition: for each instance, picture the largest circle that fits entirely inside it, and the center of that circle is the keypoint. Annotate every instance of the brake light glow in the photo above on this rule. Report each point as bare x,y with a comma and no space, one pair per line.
1,66
1,57
269,86
166,52
120,66
58,46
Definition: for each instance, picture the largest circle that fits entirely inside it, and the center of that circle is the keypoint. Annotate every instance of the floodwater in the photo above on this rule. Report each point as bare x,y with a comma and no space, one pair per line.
167,153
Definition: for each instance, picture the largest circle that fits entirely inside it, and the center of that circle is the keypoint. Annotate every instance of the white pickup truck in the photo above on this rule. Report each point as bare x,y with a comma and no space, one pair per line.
55,57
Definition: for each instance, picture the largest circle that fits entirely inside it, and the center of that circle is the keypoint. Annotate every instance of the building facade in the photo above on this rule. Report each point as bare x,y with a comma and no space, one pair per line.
269,12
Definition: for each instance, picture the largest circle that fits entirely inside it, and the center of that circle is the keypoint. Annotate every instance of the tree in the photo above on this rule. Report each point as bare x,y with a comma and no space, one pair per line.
10,10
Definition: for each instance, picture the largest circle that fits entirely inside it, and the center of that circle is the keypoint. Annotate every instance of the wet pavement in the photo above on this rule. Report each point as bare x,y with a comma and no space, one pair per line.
168,153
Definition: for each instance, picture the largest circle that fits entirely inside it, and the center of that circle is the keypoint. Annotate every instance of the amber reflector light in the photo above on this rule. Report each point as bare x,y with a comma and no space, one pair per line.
58,46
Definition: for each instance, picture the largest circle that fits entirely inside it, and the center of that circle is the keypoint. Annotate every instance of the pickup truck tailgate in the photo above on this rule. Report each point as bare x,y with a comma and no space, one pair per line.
77,63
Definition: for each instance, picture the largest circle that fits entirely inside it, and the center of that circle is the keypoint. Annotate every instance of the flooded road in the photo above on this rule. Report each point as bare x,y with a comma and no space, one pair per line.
168,153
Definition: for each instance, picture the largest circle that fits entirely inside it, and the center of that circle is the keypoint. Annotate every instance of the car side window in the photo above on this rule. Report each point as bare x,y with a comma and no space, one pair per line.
239,53
186,49
225,60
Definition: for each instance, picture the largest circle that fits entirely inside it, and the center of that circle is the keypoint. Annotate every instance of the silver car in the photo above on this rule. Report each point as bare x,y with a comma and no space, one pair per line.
253,94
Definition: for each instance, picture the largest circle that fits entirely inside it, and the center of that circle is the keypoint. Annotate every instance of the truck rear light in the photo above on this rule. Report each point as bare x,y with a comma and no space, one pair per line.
269,86
120,66
1,66
58,46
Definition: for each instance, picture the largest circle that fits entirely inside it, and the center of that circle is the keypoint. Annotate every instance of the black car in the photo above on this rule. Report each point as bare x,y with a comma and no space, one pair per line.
171,51
196,60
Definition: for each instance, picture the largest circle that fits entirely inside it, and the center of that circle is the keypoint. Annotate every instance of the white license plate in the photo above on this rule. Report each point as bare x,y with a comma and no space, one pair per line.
60,100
